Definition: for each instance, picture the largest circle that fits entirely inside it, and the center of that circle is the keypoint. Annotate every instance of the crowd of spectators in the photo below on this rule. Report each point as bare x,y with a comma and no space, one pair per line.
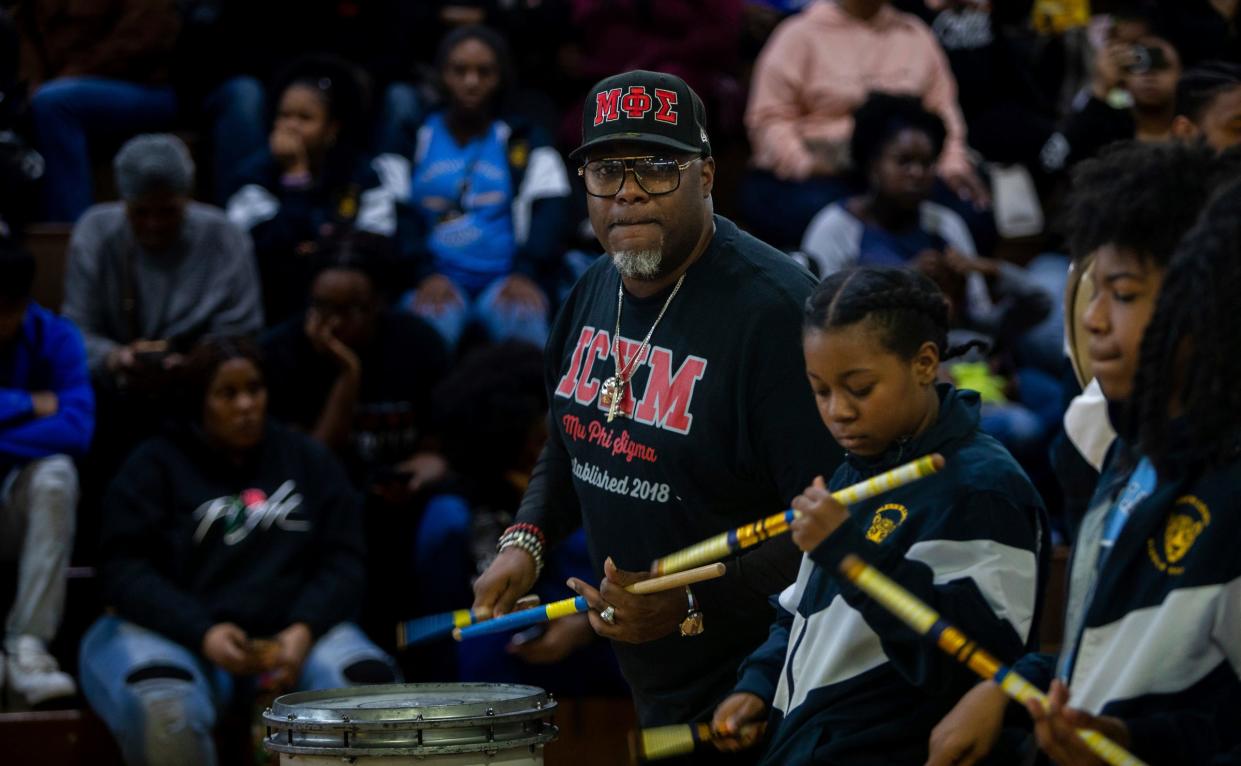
316,248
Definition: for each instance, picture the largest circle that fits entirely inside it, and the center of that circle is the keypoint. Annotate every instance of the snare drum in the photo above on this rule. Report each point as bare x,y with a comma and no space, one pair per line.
404,724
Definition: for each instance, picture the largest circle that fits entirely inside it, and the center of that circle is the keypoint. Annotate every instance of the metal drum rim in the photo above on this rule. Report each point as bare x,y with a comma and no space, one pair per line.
297,710
549,733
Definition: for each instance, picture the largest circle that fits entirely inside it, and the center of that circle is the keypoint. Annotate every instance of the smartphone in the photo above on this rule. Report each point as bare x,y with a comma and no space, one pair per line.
1146,58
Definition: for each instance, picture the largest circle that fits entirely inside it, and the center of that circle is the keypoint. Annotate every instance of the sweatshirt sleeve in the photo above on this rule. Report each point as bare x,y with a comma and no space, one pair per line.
541,208
69,430
333,593
941,98
84,292
1207,734
242,311
775,107
1183,737
136,569
759,674
550,502
976,567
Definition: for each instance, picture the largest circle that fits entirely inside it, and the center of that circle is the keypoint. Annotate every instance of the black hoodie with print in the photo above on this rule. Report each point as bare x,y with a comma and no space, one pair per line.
190,539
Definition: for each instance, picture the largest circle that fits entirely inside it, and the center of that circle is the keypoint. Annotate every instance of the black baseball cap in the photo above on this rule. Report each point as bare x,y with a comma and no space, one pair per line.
648,107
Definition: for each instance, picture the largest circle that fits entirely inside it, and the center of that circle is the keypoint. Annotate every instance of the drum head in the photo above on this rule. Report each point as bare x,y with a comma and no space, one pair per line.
1078,292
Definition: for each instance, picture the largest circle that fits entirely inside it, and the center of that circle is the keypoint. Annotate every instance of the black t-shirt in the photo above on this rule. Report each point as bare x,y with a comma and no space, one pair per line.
722,431
400,368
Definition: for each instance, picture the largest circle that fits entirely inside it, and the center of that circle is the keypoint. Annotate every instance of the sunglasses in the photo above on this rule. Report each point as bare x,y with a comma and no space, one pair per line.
656,175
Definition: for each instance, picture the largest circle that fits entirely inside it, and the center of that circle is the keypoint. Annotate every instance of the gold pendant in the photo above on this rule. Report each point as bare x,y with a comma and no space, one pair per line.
613,392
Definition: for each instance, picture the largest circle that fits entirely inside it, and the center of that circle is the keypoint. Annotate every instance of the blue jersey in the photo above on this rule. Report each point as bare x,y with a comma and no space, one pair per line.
464,195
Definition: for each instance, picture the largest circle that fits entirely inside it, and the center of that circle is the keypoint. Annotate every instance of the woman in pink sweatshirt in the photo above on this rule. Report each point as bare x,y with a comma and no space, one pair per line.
816,69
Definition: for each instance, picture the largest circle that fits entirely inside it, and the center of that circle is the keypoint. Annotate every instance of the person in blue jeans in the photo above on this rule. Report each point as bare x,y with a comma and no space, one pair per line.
493,423
99,70
232,559
488,199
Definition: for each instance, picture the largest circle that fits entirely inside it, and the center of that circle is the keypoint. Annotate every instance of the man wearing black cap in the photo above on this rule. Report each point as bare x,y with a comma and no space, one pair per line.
679,405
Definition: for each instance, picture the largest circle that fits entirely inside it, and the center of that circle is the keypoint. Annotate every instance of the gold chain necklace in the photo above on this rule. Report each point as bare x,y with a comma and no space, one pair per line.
614,387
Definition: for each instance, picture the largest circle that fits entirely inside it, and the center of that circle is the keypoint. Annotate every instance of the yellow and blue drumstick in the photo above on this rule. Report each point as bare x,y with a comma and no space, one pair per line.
727,543
523,619
569,606
433,626
926,622
679,739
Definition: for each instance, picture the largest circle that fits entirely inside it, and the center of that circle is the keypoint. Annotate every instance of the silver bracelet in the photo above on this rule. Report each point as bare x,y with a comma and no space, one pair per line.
527,542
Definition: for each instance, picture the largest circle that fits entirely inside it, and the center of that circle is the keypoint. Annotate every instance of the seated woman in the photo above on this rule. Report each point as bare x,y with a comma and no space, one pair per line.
895,146
312,186
489,198
812,75
232,556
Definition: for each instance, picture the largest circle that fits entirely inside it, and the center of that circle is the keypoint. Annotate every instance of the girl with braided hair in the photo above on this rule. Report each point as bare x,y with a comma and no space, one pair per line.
1152,642
844,682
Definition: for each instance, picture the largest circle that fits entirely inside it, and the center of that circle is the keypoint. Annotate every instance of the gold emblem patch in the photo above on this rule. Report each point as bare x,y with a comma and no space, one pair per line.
885,521
1189,518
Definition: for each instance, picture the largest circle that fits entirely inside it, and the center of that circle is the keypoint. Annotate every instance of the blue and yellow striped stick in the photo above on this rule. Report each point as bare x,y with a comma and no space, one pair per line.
927,622
523,619
728,543
433,626
558,609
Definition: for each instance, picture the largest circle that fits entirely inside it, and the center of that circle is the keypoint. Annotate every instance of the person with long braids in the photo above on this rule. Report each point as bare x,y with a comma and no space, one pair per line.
1152,644
840,680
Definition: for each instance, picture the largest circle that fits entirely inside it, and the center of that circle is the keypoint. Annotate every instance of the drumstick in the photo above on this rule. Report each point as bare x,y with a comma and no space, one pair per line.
926,621
433,626
728,543
680,739
577,605
668,582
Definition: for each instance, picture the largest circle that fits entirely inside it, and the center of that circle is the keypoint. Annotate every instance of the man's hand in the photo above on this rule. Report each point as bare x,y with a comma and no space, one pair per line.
225,645
820,516
45,403
736,721
968,733
1055,728
519,290
637,619
436,294
295,642
509,577
561,638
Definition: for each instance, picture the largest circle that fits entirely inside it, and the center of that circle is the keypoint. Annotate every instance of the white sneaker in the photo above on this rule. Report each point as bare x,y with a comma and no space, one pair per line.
33,675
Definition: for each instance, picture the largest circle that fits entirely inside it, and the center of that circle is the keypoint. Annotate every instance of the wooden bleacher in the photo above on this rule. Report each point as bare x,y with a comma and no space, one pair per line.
49,243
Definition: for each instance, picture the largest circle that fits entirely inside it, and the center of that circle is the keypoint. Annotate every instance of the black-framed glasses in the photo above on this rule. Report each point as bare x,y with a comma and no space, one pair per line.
656,175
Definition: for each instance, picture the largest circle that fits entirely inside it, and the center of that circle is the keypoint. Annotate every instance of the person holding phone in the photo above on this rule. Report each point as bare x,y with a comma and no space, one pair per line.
1132,95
